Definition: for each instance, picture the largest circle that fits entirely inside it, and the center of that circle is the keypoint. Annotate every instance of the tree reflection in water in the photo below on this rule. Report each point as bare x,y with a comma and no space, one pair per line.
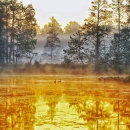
52,100
17,105
51,94
101,106
91,109
122,106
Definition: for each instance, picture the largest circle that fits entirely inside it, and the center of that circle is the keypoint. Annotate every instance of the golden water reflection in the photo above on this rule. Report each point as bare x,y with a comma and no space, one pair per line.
38,103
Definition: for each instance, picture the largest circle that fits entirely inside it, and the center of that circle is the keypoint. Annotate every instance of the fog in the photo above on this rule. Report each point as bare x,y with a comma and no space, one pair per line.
41,41
58,56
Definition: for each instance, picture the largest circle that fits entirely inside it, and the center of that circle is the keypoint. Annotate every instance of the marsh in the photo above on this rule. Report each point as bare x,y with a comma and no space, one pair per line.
35,102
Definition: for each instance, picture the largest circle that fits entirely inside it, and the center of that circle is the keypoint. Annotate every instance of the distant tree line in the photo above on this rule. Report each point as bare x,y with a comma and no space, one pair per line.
69,29
53,31
17,31
102,42
104,39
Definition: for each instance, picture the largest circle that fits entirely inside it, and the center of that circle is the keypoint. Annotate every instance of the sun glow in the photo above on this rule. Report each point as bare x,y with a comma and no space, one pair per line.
64,11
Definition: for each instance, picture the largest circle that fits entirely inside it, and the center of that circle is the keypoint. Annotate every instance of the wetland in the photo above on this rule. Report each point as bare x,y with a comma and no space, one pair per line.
57,102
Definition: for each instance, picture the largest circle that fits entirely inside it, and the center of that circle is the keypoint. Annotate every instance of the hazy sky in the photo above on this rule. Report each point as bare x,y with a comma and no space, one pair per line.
63,10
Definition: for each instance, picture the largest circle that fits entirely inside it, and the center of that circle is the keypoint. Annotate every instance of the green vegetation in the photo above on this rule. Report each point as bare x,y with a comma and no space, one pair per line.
100,45
71,28
17,31
53,30
103,41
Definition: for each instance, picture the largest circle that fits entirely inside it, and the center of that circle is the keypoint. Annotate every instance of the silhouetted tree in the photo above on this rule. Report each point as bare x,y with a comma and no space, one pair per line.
119,14
53,31
97,27
128,11
2,34
122,40
119,17
18,29
27,32
76,51
46,28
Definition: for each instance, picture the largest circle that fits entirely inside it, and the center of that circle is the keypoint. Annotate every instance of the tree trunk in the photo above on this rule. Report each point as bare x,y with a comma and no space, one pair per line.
7,57
51,54
13,36
97,42
118,47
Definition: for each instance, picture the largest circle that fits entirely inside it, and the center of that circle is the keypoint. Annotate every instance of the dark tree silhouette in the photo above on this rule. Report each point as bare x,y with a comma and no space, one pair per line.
17,31
53,30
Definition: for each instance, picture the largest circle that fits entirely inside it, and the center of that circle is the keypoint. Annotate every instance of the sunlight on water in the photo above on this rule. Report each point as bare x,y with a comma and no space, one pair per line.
47,103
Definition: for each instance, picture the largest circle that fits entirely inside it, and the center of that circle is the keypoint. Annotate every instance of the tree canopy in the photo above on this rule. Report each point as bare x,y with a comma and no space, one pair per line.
72,27
48,27
17,31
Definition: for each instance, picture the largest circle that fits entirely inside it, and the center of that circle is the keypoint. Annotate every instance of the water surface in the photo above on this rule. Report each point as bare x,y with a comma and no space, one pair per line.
38,102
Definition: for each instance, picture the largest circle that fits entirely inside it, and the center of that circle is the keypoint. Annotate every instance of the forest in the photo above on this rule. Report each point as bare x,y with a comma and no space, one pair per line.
100,45
71,77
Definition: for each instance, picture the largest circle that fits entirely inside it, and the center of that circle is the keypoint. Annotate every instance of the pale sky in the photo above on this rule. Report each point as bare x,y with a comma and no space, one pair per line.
63,10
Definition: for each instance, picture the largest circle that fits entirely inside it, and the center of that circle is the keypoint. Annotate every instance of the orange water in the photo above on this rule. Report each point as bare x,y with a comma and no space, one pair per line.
41,102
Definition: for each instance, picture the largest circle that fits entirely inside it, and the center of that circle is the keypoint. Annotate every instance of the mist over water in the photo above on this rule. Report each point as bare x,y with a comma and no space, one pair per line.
36,102
41,41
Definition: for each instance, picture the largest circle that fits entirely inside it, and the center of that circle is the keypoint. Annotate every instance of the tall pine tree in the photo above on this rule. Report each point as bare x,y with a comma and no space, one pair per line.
17,31
97,27
119,22
53,30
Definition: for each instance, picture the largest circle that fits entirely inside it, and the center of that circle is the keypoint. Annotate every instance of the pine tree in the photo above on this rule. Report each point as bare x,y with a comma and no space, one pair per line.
7,17
119,21
119,14
53,31
17,30
28,32
128,11
2,34
97,27
76,51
